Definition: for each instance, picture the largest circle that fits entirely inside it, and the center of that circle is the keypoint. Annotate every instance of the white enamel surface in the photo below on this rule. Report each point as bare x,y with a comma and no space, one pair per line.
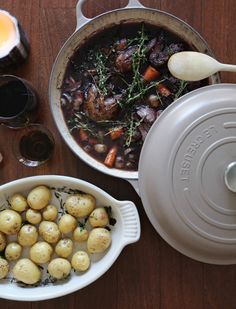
182,174
89,27
126,231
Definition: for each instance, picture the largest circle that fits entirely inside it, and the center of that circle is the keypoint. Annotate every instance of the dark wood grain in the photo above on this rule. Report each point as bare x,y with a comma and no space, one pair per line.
148,274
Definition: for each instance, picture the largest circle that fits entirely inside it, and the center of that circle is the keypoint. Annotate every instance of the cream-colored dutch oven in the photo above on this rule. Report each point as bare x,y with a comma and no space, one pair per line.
187,177
85,29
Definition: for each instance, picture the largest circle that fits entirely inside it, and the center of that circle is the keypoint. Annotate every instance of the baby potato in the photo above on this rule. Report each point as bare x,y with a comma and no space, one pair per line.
80,261
27,235
33,216
3,241
26,271
59,268
18,202
41,252
39,197
99,217
13,251
10,222
80,205
64,247
49,231
67,223
99,240
4,268
80,234
50,213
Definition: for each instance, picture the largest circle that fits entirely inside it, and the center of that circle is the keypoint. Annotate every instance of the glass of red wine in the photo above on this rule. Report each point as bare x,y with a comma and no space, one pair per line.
33,145
18,102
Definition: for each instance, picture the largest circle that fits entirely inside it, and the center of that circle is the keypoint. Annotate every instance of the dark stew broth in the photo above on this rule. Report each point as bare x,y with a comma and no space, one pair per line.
115,87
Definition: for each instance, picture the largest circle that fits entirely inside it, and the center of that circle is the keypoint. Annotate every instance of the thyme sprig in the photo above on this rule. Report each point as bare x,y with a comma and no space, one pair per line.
65,190
80,121
183,85
102,71
131,130
138,88
143,91
138,59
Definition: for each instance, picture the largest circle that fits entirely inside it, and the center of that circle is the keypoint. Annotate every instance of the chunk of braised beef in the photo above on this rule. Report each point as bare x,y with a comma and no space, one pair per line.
175,48
148,115
124,59
151,44
158,59
161,54
99,108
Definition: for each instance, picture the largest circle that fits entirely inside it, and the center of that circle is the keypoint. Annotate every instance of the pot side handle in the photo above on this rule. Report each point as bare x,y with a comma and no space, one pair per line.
130,221
134,4
80,18
134,184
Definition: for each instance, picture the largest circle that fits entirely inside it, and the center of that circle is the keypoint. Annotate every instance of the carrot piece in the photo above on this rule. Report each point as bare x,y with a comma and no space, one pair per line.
83,135
111,156
150,74
115,133
164,90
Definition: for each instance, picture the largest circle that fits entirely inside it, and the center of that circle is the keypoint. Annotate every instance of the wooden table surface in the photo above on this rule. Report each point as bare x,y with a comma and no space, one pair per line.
150,273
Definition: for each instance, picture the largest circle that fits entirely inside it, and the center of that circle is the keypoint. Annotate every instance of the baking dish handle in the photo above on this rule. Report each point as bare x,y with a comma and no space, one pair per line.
80,18
130,221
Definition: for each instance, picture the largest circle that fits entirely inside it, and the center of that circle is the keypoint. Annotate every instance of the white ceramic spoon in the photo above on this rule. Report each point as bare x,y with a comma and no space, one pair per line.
192,66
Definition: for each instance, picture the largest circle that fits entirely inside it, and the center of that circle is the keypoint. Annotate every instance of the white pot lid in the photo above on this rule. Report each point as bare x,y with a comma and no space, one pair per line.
187,174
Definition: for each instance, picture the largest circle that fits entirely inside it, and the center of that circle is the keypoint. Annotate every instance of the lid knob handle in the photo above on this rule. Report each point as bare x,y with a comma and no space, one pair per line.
230,176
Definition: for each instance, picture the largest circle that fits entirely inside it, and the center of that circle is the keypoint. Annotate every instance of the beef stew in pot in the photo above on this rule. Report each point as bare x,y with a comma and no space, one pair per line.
116,85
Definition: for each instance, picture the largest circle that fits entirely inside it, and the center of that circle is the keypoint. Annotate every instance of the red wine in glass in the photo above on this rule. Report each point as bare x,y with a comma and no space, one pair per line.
18,102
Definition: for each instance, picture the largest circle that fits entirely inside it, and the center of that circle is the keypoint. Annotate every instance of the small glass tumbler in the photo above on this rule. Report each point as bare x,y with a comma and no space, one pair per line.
18,102
33,145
